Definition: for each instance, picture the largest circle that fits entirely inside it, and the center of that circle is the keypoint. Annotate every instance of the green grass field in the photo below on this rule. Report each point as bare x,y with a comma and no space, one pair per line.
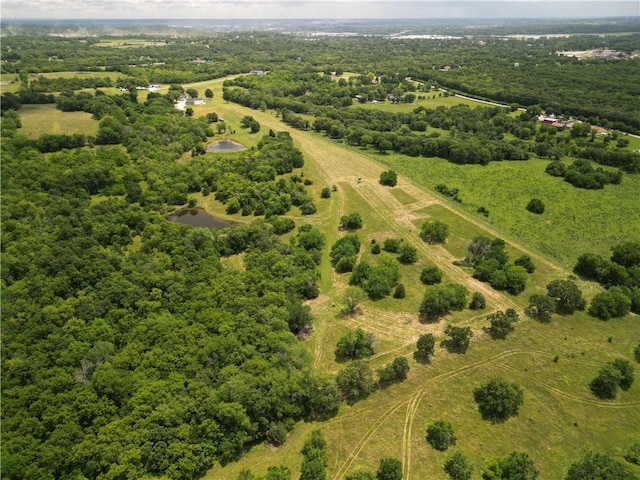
561,419
40,119
432,100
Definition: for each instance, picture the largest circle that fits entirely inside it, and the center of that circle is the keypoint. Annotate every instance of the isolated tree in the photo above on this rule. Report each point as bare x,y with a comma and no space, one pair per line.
188,112
212,117
192,92
535,205
477,302
325,193
541,308
425,346
501,323
431,275
434,231
389,469
353,297
459,338
567,296
517,466
208,93
599,466
498,399
389,178
458,467
355,381
440,435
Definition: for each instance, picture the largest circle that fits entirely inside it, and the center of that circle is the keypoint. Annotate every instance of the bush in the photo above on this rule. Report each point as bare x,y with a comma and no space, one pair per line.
478,301
501,323
597,466
408,254
541,308
431,275
325,193
391,245
517,466
610,304
399,291
440,435
375,249
605,385
535,205
525,262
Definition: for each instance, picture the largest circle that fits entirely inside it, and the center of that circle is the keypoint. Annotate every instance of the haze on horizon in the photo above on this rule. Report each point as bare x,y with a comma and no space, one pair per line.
315,9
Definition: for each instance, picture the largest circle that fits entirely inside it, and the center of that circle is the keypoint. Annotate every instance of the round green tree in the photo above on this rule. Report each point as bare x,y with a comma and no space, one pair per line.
498,399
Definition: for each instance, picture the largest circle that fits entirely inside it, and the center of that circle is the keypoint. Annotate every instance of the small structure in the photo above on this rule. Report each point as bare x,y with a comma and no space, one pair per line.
194,101
153,87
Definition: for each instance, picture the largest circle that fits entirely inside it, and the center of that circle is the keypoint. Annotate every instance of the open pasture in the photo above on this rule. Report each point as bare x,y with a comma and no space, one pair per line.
41,119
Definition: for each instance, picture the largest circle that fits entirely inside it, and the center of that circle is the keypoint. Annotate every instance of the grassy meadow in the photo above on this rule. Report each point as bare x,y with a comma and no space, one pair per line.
40,119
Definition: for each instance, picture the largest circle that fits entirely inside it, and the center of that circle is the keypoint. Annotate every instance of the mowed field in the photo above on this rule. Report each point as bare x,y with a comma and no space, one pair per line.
560,421
46,119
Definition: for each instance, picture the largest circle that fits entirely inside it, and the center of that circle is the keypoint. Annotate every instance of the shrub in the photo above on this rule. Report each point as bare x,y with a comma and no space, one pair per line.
389,178
434,231
478,301
440,435
535,205
431,275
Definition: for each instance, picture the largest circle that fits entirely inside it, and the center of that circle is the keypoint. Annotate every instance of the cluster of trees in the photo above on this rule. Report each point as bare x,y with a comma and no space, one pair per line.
59,84
563,297
490,264
439,300
581,174
620,275
251,123
377,280
344,253
357,380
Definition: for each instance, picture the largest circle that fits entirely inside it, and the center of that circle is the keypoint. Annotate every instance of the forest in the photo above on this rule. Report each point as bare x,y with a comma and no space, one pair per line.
137,347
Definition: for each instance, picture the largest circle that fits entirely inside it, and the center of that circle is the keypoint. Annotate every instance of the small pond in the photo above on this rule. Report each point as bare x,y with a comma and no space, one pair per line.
226,146
199,218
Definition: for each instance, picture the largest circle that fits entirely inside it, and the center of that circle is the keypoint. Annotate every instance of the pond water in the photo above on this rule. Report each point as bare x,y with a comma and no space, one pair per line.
226,146
199,218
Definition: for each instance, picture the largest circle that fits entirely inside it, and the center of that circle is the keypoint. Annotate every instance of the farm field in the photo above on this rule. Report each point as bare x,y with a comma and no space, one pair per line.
46,119
561,419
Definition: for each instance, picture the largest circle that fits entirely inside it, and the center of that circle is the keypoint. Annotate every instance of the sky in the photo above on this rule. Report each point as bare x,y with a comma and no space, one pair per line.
309,9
